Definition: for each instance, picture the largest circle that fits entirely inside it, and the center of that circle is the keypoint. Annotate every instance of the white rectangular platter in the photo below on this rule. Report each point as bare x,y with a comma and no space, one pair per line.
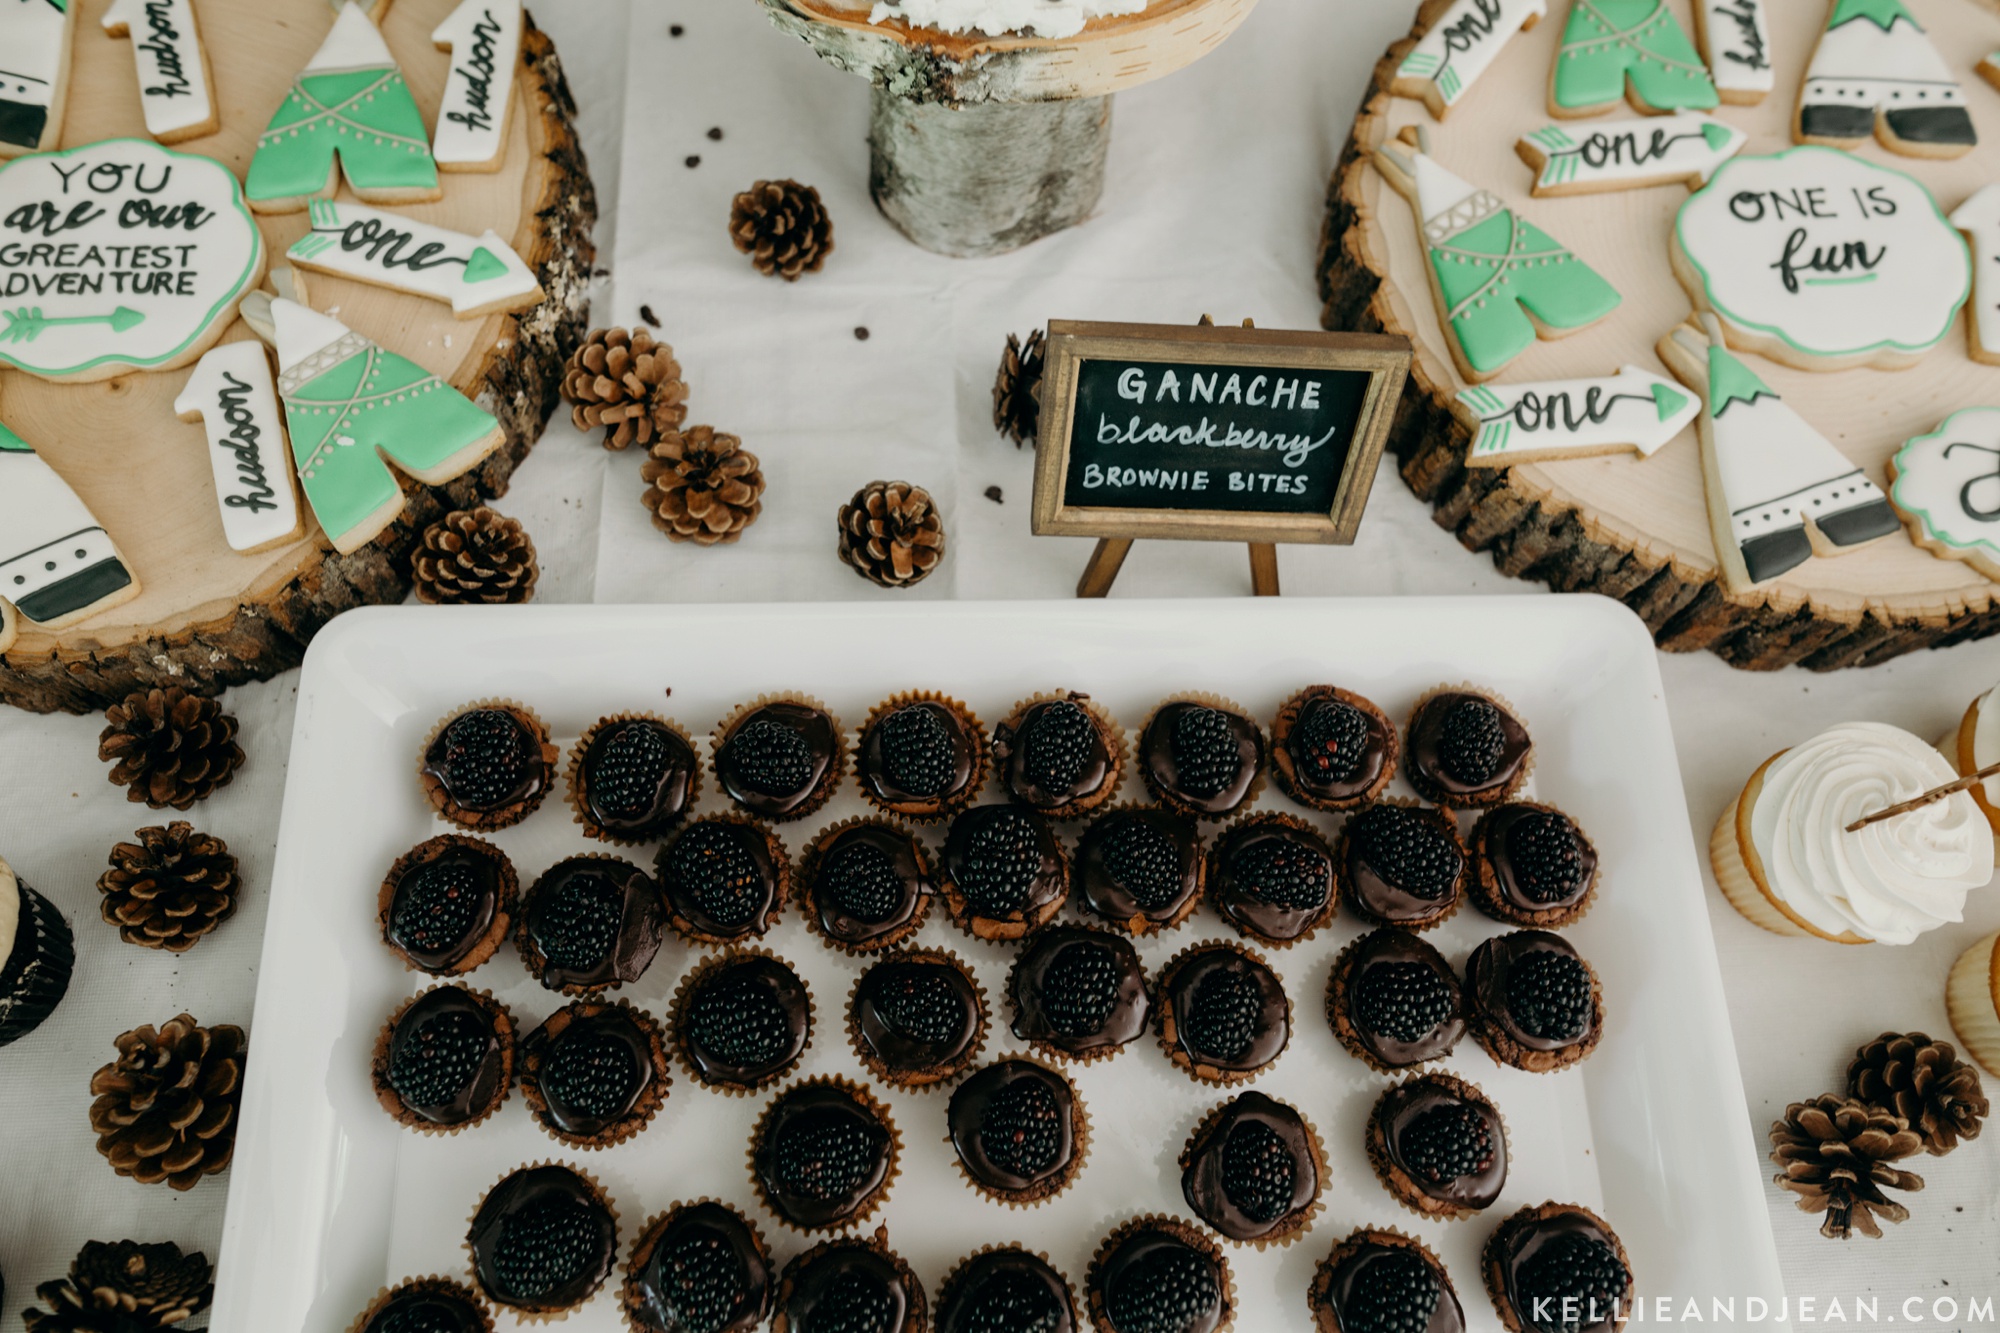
330,1200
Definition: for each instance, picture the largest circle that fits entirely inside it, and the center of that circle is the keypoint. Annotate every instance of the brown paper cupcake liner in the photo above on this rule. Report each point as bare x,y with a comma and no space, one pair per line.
523,1313
649,1235
937,811
1167,799
949,1073
504,1028
1035,1196
811,862
1352,898
1959,747
44,939
650,1101
1319,1294
781,874
492,820
1048,1049
508,902
1281,756
573,779
1212,873
1400,1186
1739,871
1139,927
434,1285
1972,1000
531,958
1115,745
873,1203
1499,795
1007,929
1337,1018
1492,1264
1482,881
836,764
952,1276
1195,1237
1163,1019
684,993
917,1317
1505,1050
1300,1223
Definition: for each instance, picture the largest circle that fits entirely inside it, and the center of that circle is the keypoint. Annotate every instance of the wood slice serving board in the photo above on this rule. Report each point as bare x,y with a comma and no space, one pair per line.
209,617
1638,529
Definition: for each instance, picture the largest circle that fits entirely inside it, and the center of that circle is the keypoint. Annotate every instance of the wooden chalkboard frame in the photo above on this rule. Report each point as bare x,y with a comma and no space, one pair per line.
1385,358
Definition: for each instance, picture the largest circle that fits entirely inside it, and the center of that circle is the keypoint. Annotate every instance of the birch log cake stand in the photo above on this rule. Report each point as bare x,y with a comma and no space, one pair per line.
1631,527
982,144
207,616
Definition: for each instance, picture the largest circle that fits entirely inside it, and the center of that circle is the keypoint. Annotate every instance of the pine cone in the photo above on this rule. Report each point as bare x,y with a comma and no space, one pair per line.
702,486
1835,1154
892,533
472,556
166,1107
125,1288
627,383
1924,1082
1017,406
783,227
170,888
169,747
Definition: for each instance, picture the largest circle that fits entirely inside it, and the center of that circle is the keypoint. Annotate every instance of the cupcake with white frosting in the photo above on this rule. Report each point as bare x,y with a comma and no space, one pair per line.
36,955
1785,859
1974,744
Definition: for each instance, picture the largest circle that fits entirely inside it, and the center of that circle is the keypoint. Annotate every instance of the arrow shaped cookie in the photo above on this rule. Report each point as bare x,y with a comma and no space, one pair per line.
476,275
1522,423
1460,46
1629,154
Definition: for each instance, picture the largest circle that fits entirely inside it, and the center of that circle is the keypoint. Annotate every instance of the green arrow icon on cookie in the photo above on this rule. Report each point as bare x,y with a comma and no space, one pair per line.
28,323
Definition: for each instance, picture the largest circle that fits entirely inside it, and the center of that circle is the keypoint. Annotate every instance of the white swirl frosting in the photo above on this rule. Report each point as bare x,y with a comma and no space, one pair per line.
1891,881
1986,740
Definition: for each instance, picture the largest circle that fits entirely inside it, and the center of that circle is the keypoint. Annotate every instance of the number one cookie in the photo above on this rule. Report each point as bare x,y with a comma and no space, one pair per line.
1459,47
173,67
232,392
1979,218
1876,72
1627,50
34,72
1946,485
484,38
1735,36
477,275
58,565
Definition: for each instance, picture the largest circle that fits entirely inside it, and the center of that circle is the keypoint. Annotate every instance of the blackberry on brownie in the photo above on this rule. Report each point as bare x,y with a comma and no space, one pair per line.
1004,873
1078,993
698,1268
447,903
1159,1275
779,759
1253,1170
1271,877
866,885
855,1284
1061,754
1466,750
1532,1001
823,1154
1438,1146
632,778
1201,757
594,1074
917,1019
741,1020
1140,869
1532,866
425,1305
1558,1257
543,1240
1394,1001
1332,749
1018,1131
1378,1281
489,766
445,1059
724,880
921,757
590,923
1221,1013
1401,865
1005,1290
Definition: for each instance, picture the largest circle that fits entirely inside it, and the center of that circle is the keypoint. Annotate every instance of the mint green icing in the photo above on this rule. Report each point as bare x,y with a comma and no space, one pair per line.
1492,273
1716,134
1609,42
1882,13
10,443
1668,400
483,265
1730,381
366,116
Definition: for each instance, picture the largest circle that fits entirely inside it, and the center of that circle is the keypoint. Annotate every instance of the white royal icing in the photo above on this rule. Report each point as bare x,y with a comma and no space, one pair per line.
55,557
1948,483
1463,43
1979,218
372,8
352,43
1053,19
302,332
484,37
1986,741
473,274
1623,154
1634,409
34,71
1861,64
1891,881
1737,38
1829,253
173,76
233,393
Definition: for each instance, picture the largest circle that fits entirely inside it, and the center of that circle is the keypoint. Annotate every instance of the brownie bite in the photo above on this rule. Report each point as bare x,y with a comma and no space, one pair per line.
1271,877
1061,755
917,1019
823,1155
447,903
865,885
632,778
1532,1001
1401,865
489,766
921,757
698,1268
594,1074
1466,749
1332,749
1379,1281
1005,1290
1140,869
1532,866
1004,873
856,1282
1201,758
543,1241
1018,1130
779,759
1438,1146
724,880
1544,1256
590,923
1394,1001
1253,1170
1222,1014
1158,1273
741,1021
445,1060
1078,993
428,1304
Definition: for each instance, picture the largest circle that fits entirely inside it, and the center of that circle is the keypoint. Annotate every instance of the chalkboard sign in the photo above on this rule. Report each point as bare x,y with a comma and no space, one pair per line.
1225,434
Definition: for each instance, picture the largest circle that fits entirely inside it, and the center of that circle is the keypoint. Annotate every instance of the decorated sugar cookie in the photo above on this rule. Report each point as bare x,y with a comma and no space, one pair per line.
34,72
476,275
1946,485
349,405
1778,492
349,111
1979,219
1491,269
1629,154
1822,260
172,66
1632,411
1459,47
484,38
58,565
1735,37
232,393
118,256
1876,73
1627,50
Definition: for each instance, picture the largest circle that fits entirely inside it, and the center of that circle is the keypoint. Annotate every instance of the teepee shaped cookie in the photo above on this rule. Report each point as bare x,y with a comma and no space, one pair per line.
58,565
34,72
1875,72
1627,51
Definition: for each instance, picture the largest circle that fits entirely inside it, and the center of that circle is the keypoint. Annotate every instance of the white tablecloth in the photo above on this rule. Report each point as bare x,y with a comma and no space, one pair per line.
1213,206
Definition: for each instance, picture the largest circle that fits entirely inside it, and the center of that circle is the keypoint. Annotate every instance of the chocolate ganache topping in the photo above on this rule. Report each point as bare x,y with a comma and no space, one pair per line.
1251,1170
774,758
1559,1251
849,1284
1155,1279
636,776
1079,990
1005,861
1398,997
543,1240
718,877
487,759
1540,859
705,1273
868,881
1446,1138
590,922
445,1058
1334,750
1402,864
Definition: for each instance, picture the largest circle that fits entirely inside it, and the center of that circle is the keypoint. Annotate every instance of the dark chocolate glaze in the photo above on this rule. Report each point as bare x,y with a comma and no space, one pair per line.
1184,977
1156,752
1238,901
960,1297
1375,750
1427,733
1201,1179
670,796
901,850
639,930
875,776
1102,892
896,1050
534,773
1521,1238
970,1103
485,870
802,1108
1403,1104
1051,881
1010,752
713,1227
683,902
1390,945
1132,1254
1486,983
776,977
608,1023
485,1083
1388,902
1025,987
423,1307
809,1278
814,726
1339,1285
1494,836
523,1190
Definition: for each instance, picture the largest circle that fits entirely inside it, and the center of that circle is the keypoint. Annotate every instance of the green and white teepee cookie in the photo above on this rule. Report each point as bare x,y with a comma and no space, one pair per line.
58,566
1875,72
1627,51
34,73
1946,485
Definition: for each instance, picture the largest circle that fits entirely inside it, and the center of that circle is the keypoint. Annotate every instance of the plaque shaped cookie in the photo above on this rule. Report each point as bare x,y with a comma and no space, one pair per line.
58,565
1444,64
1875,72
1627,51
35,37
117,256
1821,260
1946,485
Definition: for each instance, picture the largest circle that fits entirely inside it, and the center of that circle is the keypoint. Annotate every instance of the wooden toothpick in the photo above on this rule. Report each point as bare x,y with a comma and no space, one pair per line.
1933,795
